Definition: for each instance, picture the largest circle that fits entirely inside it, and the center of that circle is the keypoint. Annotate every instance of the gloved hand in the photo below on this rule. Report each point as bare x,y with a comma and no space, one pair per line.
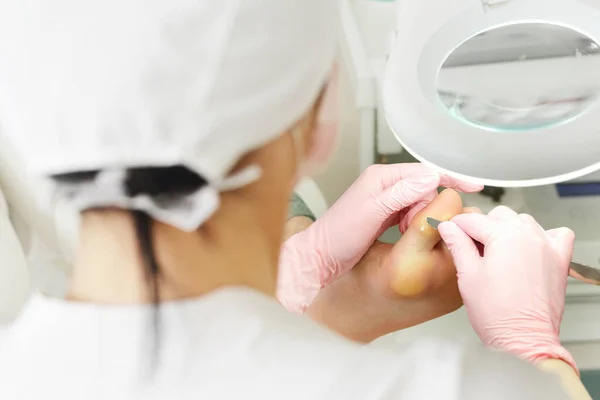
395,286
515,292
383,196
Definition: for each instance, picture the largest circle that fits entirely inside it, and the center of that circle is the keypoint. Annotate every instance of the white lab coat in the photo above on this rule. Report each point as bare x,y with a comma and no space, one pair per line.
15,284
237,343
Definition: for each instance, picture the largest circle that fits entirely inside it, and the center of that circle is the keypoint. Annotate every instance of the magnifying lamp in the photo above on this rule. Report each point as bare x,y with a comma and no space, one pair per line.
499,92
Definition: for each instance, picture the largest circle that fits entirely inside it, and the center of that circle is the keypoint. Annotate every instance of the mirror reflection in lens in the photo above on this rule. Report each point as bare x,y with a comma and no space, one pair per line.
521,76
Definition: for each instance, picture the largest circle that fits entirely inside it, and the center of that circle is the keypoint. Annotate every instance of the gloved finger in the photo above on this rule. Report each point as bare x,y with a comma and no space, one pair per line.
422,204
531,222
416,209
564,241
463,249
502,213
462,186
406,193
391,174
478,226
475,210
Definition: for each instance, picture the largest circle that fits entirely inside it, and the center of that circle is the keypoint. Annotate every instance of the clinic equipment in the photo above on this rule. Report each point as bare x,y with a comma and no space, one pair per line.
367,43
578,271
501,92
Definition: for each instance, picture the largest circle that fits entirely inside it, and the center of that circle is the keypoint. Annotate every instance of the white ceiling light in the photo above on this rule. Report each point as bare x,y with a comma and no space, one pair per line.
501,92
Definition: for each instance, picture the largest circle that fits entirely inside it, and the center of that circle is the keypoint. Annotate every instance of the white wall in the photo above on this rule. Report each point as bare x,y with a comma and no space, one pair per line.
344,166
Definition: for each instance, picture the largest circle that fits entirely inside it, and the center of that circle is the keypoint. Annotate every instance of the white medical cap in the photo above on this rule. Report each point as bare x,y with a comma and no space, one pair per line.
92,85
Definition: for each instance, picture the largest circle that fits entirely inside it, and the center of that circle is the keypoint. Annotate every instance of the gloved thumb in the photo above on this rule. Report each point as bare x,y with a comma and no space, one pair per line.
463,249
564,241
408,191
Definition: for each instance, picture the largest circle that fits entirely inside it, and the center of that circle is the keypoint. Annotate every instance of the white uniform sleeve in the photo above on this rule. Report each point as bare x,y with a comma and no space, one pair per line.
14,283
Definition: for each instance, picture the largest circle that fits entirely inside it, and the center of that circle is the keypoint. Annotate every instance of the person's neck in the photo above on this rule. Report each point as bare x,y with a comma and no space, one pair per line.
232,249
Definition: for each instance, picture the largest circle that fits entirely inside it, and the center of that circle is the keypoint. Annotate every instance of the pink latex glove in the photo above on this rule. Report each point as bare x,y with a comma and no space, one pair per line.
383,196
515,292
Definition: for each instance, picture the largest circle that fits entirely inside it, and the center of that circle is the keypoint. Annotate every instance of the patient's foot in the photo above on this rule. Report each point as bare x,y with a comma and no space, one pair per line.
396,286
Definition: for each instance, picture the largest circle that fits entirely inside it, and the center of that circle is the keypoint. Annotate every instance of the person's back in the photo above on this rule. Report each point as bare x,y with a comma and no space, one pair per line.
235,343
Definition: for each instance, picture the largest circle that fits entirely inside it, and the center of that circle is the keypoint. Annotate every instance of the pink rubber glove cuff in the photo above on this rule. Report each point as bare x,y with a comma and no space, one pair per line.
557,353
302,271
541,353
532,343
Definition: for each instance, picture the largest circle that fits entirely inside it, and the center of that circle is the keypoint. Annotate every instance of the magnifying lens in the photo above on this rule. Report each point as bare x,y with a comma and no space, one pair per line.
499,92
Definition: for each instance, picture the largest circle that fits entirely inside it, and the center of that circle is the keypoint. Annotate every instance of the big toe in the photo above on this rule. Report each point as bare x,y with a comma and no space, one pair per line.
416,254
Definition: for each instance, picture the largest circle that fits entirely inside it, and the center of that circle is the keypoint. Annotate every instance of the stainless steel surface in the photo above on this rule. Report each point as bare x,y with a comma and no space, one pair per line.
581,272
434,223
585,273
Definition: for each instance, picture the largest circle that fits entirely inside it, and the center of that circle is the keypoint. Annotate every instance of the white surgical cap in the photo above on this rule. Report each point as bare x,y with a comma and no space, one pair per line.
91,85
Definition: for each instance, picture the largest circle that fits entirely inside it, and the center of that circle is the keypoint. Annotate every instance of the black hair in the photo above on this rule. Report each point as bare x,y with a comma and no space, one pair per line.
157,182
